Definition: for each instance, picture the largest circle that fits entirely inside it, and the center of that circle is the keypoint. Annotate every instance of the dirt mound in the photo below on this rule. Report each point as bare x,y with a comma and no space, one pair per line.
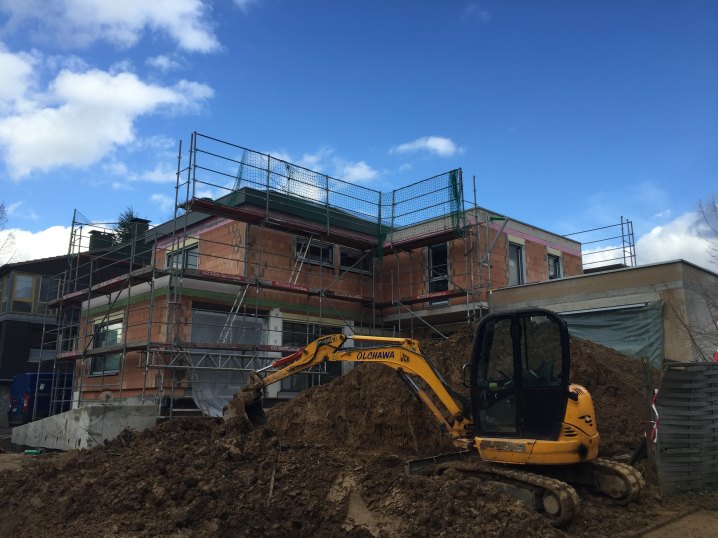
328,463
371,409
200,477
615,383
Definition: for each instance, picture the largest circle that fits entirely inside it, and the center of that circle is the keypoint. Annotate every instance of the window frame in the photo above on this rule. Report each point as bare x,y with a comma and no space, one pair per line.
100,330
99,364
520,265
364,263
325,248
185,254
45,291
434,275
14,299
557,266
3,293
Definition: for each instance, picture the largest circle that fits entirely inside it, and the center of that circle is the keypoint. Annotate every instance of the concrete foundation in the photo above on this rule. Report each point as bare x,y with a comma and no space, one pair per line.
85,427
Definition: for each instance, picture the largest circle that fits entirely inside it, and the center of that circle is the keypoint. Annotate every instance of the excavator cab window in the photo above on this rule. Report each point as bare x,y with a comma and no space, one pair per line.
497,380
520,375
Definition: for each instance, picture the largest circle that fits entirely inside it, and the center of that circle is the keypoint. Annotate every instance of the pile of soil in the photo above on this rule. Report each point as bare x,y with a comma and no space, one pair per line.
328,463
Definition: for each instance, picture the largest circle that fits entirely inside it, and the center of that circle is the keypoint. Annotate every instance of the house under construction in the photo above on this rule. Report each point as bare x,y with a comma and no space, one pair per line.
263,256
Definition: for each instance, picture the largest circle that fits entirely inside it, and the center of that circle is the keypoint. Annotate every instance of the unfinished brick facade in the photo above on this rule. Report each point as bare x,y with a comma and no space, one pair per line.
286,256
285,279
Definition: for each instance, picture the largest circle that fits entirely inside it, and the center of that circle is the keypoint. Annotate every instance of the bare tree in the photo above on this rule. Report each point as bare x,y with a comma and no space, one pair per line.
709,211
8,241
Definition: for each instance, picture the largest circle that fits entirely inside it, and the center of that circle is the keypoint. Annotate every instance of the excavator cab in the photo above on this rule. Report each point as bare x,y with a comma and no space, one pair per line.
520,375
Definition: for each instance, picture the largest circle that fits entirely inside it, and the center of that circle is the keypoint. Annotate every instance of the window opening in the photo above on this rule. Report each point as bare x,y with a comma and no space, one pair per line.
516,264
554,267
356,261
187,258
3,294
314,251
23,293
106,334
438,268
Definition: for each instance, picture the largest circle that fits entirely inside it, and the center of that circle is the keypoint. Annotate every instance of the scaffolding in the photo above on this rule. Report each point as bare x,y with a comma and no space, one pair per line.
261,257
608,246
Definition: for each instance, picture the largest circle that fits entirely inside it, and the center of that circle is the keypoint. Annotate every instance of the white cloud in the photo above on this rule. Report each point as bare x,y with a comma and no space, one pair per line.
318,161
244,5
84,116
14,210
159,174
162,63
435,145
405,167
53,241
17,70
81,23
476,12
357,172
665,214
326,161
686,237
121,186
165,202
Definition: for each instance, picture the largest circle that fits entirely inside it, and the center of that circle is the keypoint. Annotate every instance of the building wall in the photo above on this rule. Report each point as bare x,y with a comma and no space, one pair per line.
279,282
404,275
689,294
16,340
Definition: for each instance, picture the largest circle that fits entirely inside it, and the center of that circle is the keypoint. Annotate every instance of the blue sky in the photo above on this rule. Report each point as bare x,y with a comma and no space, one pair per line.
570,114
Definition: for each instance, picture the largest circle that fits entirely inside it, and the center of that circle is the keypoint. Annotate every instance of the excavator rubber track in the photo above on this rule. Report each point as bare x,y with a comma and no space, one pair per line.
618,481
554,499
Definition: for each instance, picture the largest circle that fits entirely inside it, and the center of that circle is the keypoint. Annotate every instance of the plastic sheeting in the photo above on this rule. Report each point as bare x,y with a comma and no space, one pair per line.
634,330
212,389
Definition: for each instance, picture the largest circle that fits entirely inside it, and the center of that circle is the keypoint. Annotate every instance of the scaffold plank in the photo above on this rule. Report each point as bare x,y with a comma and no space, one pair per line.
144,274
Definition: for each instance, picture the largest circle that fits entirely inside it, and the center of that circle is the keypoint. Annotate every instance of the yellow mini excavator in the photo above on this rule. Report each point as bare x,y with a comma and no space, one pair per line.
522,409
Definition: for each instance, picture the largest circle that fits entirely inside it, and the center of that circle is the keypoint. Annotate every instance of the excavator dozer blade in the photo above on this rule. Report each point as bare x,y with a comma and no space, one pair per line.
246,407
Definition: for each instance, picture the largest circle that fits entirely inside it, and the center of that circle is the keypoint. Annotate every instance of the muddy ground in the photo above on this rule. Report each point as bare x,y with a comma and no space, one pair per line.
328,463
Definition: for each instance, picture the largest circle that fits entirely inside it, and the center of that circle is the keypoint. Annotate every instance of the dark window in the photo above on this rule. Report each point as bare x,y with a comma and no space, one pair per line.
23,293
351,259
3,294
313,250
48,289
554,267
187,258
106,364
211,326
516,264
438,268
106,334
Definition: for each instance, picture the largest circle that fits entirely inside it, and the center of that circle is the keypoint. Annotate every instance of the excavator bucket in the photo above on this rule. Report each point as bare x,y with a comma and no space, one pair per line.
246,406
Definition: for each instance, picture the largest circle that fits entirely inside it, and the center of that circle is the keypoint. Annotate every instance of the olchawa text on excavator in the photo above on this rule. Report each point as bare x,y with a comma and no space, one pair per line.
522,409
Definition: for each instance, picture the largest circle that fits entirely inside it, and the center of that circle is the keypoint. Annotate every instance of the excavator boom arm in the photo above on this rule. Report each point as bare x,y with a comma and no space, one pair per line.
401,354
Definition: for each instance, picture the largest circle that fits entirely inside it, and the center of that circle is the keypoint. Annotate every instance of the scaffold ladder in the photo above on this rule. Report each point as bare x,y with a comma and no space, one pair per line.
299,262
232,316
